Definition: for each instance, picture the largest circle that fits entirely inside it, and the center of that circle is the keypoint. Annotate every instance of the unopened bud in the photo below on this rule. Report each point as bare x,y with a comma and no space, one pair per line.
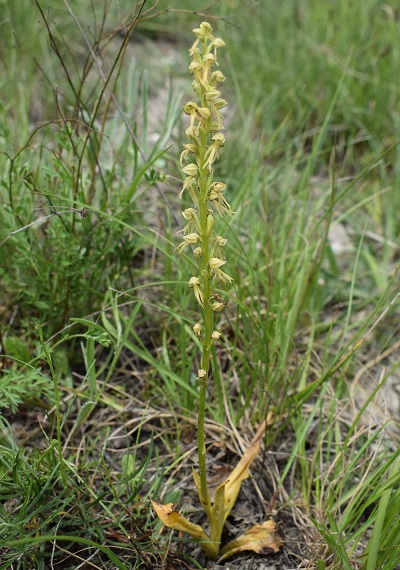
210,223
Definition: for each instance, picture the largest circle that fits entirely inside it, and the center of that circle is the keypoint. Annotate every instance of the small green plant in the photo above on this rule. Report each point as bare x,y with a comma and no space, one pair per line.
205,141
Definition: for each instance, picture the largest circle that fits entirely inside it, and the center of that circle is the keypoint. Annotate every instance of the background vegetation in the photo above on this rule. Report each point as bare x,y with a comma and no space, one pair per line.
98,396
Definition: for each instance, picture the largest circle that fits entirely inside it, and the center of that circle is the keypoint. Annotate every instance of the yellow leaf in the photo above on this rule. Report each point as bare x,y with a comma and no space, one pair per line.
173,519
217,515
197,482
259,538
235,479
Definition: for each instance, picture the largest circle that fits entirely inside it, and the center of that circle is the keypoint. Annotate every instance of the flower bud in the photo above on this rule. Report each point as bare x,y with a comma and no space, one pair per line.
210,223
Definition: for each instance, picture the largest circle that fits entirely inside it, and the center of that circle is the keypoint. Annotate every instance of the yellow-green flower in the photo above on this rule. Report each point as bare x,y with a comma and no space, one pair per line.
218,141
189,148
215,265
197,329
194,283
190,184
190,239
216,196
190,170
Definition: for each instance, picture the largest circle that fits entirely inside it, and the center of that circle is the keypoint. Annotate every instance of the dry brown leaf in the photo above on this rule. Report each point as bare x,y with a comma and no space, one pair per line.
258,538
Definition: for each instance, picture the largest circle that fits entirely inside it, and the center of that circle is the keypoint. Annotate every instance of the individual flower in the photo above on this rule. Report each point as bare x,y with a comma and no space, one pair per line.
215,265
208,62
215,106
217,303
197,252
197,330
190,215
218,141
190,184
217,43
194,68
192,133
194,283
190,170
218,306
219,243
204,32
189,148
196,113
190,239
216,77
191,110
216,196
212,94
215,335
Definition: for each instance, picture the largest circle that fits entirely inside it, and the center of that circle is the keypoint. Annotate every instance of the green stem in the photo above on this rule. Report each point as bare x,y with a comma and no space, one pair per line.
208,314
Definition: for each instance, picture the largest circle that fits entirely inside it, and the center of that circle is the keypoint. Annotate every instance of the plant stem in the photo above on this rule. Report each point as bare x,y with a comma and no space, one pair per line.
207,311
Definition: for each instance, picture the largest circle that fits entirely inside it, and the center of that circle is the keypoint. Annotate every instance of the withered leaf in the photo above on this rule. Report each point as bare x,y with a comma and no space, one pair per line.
234,482
258,538
173,519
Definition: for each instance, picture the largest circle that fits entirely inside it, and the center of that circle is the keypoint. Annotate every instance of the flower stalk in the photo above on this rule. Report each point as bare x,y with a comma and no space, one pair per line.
205,142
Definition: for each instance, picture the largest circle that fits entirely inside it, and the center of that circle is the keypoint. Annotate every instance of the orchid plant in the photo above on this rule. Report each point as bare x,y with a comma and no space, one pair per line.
204,144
